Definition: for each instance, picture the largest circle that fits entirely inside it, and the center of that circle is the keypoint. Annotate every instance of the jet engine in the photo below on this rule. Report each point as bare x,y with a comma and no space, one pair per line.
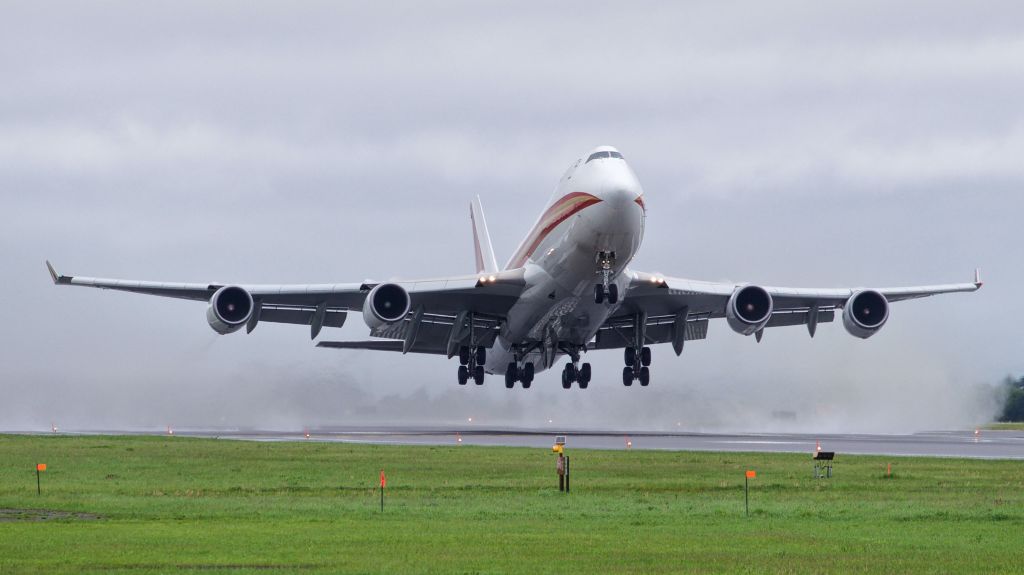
749,309
230,308
386,303
865,313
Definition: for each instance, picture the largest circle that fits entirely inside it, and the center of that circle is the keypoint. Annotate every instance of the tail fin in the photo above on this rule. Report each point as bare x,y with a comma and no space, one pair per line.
485,261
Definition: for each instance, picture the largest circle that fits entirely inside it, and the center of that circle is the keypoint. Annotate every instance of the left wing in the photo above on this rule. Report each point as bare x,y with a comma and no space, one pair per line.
658,309
443,312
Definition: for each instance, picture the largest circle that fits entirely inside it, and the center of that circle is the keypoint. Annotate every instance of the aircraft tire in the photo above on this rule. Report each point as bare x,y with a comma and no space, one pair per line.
527,375
613,294
645,356
630,356
510,376
478,375
645,376
463,375
598,293
481,355
627,376
463,355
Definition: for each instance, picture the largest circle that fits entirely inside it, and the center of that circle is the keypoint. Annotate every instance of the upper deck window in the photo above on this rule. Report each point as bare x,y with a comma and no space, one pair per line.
599,155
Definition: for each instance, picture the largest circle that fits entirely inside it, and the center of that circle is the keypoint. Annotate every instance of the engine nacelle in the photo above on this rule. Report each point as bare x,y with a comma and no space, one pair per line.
865,313
386,303
230,309
749,309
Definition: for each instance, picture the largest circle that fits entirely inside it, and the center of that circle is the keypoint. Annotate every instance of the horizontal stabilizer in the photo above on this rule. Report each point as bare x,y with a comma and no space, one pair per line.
375,344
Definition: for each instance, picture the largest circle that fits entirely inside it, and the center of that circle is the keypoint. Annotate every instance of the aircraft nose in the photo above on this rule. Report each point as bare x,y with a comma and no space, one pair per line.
620,196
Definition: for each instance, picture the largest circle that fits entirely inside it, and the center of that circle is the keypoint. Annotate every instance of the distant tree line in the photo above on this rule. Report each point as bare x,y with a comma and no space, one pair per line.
1013,409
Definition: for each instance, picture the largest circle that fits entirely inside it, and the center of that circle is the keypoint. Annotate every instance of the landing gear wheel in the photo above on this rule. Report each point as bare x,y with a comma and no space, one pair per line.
627,376
645,376
478,375
645,356
510,375
598,293
630,356
566,378
464,355
481,355
585,376
463,375
613,294
527,375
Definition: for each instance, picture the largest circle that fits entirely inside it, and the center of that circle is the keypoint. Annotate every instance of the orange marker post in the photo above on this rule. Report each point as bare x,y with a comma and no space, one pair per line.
746,489
39,467
383,484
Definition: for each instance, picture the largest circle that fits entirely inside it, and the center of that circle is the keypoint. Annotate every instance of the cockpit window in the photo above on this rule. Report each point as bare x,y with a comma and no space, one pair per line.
598,155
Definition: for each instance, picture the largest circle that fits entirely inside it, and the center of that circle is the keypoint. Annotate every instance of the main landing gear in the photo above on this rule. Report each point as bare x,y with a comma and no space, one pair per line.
514,373
472,362
579,374
606,290
637,366
573,371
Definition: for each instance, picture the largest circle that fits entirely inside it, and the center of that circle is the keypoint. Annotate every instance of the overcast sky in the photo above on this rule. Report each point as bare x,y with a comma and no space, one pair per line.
810,144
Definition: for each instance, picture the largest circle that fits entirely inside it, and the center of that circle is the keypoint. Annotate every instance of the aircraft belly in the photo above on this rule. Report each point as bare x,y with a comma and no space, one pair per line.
559,304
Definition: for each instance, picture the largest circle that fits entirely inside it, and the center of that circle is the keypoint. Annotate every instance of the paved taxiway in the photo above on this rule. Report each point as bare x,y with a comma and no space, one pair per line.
986,444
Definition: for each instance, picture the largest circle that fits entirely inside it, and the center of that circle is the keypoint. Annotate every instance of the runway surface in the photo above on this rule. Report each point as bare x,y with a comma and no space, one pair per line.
985,444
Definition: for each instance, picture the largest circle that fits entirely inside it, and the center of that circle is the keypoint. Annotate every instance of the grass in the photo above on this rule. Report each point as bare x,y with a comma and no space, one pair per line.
1006,426
167,504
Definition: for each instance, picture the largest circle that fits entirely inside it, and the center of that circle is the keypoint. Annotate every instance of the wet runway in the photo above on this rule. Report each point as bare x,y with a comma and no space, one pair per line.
984,444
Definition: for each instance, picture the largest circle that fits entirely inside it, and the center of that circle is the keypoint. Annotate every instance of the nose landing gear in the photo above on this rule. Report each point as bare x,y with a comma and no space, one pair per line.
606,290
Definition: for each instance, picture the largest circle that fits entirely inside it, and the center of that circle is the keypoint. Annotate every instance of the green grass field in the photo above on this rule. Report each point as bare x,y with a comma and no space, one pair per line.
1006,426
166,504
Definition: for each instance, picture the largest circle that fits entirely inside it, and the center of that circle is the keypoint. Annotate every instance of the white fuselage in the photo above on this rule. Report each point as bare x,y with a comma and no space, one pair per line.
597,207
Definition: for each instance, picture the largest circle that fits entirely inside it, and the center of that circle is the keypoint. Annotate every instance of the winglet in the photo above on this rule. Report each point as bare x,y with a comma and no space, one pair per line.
484,251
977,278
57,278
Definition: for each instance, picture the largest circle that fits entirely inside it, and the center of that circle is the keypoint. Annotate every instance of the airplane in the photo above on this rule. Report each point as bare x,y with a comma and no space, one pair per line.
567,290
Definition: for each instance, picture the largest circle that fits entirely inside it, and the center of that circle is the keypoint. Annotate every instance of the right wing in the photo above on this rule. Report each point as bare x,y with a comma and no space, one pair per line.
437,305
660,309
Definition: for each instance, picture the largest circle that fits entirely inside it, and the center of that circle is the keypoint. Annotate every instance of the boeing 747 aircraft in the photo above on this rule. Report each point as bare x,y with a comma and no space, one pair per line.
566,291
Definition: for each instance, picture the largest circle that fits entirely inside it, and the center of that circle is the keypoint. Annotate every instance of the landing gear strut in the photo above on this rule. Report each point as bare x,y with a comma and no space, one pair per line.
637,366
606,290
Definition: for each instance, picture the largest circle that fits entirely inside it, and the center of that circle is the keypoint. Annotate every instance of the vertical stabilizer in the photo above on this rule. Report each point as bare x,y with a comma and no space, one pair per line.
485,262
